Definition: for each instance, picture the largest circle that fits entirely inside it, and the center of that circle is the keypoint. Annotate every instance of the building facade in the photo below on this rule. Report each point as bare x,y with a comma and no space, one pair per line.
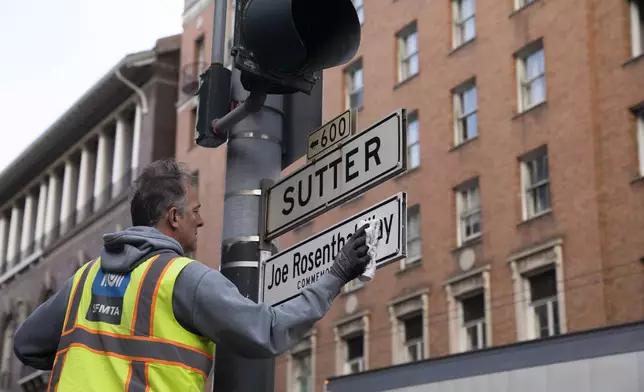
525,182
70,187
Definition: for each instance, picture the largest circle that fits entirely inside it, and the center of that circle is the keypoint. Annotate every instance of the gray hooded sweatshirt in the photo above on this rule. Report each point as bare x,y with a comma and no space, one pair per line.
204,302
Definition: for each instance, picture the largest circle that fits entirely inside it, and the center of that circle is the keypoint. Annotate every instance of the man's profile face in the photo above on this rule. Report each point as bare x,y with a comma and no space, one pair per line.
190,221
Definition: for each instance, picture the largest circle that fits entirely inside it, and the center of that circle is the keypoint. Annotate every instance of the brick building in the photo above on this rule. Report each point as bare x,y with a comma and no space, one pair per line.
525,186
70,186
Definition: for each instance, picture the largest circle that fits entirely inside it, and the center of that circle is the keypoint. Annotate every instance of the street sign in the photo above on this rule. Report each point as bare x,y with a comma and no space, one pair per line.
287,273
358,164
330,134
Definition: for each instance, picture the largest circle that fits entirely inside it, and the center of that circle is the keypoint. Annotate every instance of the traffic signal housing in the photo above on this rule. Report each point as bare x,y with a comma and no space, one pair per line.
280,44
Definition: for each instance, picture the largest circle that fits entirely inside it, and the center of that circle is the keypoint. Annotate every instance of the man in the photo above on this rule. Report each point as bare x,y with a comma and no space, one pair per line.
143,316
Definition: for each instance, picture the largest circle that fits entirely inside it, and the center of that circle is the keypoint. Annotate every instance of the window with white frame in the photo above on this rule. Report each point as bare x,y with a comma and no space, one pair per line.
359,4
354,354
302,380
354,86
531,76
414,240
413,338
637,27
539,291
465,112
639,137
464,15
535,180
468,209
518,4
407,52
409,337
413,140
473,327
468,310
544,304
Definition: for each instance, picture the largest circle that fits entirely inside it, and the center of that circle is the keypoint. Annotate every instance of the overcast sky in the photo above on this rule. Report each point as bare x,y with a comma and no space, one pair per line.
55,50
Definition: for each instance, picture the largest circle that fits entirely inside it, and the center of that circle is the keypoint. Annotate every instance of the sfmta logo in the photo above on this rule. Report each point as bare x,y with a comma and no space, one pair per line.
112,280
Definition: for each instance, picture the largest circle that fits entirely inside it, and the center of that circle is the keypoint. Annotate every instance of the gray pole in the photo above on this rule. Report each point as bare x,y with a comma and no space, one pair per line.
254,154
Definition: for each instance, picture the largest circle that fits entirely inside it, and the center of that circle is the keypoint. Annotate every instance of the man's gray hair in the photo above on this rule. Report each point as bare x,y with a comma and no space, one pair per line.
161,185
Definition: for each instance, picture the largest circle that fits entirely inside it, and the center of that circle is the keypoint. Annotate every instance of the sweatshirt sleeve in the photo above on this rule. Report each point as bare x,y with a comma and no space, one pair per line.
36,341
205,301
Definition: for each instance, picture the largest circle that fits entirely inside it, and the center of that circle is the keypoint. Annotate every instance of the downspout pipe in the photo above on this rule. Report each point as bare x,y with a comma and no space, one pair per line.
137,90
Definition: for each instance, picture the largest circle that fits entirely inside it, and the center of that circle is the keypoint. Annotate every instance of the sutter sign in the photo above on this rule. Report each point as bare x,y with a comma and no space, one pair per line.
364,161
290,271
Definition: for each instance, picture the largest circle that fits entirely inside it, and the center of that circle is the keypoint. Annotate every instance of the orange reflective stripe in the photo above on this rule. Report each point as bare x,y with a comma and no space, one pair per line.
144,306
138,293
144,338
72,309
137,350
156,292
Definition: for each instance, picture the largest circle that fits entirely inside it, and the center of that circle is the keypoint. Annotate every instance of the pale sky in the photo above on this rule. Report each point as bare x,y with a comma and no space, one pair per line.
55,50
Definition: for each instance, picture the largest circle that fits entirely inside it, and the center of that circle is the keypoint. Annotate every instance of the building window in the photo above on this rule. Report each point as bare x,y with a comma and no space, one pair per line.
351,337
539,291
193,127
473,327
543,304
413,140
354,362
637,27
535,180
518,4
354,86
301,365
200,52
408,320
465,113
464,13
531,76
639,128
355,284
469,310
468,210
414,241
359,4
407,52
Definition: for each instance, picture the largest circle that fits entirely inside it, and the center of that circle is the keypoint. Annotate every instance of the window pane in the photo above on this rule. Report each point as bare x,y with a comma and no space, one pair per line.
534,65
413,249
412,132
357,79
472,337
467,9
413,65
473,308
469,100
355,347
471,126
543,285
541,320
414,155
555,316
537,91
469,30
411,44
414,328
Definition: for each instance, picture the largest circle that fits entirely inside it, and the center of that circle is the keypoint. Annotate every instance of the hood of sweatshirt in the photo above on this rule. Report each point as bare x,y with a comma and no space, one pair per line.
125,250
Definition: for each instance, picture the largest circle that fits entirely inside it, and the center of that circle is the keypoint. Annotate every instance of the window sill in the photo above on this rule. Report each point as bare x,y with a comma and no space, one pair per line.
409,267
531,109
523,7
463,143
639,179
469,243
535,217
461,46
404,82
634,60
406,172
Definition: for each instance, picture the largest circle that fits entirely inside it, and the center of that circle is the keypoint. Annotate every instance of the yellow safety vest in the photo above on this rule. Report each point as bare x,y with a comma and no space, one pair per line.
120,333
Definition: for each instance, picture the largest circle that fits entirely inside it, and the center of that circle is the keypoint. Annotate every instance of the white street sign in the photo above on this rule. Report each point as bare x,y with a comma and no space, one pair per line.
358,164
331,134
287,273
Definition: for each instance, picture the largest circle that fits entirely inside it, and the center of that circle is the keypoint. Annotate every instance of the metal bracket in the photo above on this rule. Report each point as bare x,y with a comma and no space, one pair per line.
254,135
244,192
265,247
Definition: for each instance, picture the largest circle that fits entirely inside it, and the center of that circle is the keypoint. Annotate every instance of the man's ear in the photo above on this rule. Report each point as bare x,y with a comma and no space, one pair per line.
173,217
